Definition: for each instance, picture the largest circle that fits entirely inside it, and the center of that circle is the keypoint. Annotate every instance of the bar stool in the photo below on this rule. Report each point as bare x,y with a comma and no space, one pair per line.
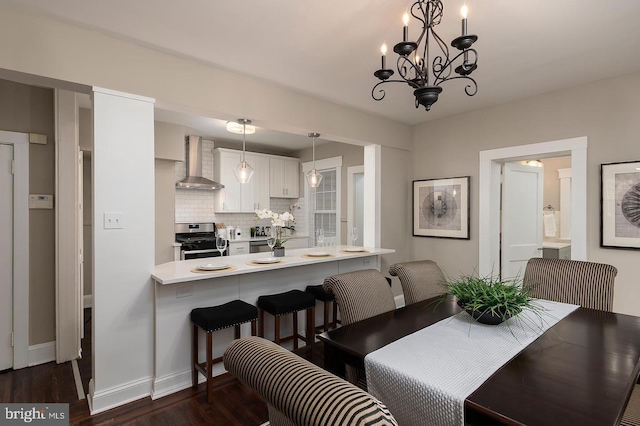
213,318
290,302
327,298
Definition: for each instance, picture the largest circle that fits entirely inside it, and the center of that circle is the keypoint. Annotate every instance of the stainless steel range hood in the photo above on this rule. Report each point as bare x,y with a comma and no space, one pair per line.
194,179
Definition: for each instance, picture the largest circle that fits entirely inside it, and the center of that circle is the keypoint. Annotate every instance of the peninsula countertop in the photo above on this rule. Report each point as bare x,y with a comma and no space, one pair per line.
181,271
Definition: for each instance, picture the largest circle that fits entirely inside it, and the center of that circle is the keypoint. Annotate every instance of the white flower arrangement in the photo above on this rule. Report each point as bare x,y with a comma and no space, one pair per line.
278,222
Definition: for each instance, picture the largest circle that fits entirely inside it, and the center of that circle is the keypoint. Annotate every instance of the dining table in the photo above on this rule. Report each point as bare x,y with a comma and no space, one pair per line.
580,370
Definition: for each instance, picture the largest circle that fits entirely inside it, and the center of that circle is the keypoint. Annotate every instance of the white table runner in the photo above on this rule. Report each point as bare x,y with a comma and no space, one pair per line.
425,377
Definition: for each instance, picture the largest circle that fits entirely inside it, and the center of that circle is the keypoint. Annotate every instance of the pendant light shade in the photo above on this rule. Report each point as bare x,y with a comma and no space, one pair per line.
243,171
313,176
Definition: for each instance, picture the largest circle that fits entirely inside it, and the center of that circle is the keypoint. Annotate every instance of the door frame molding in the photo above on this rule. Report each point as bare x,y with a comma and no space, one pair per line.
20,142
350,199
489,195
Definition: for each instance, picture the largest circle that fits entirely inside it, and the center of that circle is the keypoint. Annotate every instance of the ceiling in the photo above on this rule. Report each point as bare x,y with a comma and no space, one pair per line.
330,48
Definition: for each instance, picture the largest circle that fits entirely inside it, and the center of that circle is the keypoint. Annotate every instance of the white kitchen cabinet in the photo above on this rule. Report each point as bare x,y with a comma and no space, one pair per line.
236,197
241,247
284,177
257,189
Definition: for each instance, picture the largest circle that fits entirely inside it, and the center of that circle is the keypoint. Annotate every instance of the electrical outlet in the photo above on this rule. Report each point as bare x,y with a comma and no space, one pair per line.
184,291
113,220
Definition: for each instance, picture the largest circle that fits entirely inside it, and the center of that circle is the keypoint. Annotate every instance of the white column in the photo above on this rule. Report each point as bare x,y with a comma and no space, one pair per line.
123,257
565,203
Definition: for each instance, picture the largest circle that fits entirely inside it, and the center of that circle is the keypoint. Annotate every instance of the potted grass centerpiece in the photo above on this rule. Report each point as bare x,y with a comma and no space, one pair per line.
490,300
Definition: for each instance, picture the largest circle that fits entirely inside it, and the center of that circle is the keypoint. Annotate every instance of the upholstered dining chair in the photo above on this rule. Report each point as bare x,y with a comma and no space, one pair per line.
587,284
420,280
360,294
631,416
299,393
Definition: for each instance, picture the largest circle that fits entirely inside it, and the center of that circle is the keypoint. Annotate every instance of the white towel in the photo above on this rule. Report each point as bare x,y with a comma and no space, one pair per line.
549,222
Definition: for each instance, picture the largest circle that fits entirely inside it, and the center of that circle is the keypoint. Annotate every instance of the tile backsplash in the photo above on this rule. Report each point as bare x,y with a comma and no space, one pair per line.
194,206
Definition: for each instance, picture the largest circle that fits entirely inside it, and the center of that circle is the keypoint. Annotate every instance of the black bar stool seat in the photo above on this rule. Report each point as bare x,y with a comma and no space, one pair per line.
327,298
213,318
290,302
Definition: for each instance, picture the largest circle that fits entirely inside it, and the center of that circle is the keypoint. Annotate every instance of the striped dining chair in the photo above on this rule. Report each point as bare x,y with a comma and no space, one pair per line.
420,280
299,393
360,295
587,284
631,416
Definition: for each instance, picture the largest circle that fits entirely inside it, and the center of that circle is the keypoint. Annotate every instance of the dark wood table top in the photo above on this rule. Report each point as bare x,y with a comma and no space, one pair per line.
581,371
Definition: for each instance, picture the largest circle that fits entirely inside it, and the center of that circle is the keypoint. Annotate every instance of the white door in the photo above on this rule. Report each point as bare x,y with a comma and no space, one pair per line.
522,189
6,256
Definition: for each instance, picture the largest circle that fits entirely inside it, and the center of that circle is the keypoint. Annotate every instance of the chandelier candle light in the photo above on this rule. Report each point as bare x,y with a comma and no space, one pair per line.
243,171
414,64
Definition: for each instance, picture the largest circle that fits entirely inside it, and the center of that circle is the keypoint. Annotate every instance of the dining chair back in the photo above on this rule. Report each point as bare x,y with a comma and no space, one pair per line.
631,415
587,284
420,280
360,294
298,392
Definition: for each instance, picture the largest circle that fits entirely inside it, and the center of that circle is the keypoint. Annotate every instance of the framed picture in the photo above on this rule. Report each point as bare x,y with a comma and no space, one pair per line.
441,208
620,205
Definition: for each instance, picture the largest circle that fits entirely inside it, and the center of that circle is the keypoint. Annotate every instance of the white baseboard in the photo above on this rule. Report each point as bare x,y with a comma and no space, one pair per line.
399,301
42,353
87,301
172,383
118,395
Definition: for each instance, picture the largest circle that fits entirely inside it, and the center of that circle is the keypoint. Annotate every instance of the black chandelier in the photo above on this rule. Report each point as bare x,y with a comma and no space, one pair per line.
414,64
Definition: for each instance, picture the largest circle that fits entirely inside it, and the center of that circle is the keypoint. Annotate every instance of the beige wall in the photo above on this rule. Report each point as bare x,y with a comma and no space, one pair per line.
29,109
394,219
68,53
165,177
605,112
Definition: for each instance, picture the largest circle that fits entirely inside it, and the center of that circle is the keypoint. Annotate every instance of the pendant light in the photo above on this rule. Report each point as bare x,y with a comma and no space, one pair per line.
243,171
313,176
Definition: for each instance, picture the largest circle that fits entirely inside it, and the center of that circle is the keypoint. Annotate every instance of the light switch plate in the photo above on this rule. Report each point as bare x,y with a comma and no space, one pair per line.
40,201
113,220
37,138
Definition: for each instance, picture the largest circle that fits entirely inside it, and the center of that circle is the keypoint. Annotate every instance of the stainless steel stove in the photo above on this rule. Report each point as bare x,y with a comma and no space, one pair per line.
198,240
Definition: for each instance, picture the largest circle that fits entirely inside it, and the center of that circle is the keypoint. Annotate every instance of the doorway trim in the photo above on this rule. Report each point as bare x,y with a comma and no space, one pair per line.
351,171
20,142
489,195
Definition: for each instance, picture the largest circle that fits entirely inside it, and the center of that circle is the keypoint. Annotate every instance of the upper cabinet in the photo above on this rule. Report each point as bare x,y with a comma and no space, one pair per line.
284,177
237,197
169,141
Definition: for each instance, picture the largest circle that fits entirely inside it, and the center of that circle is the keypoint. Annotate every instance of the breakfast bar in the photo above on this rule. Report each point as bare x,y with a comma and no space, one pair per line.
181,286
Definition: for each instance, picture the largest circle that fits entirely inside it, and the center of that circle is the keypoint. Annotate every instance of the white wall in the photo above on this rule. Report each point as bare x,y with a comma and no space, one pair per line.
605,112
122,318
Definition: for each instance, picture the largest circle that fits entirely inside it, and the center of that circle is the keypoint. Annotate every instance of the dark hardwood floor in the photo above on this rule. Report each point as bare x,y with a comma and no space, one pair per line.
233,402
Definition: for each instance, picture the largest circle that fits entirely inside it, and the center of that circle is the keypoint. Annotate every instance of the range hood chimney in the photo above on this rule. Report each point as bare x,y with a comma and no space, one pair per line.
194,179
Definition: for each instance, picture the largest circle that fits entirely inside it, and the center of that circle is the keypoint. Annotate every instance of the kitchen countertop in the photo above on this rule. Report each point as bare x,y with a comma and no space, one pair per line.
180,271
555,244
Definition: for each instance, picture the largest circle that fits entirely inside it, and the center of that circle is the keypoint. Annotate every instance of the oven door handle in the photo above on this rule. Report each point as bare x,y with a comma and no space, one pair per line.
201,251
